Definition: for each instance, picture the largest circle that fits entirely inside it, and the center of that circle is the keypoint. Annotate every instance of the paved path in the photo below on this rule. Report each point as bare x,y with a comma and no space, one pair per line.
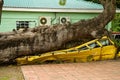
100,70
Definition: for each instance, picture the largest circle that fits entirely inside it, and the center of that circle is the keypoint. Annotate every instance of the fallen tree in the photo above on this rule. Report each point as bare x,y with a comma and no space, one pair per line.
47,38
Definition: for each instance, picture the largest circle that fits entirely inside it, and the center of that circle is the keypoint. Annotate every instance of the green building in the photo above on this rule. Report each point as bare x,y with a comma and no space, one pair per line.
32,13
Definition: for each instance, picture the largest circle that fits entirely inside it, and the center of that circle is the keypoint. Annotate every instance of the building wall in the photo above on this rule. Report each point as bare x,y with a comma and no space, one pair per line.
9,18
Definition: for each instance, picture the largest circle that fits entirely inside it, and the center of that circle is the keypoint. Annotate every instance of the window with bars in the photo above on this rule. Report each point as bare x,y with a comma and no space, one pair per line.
22,24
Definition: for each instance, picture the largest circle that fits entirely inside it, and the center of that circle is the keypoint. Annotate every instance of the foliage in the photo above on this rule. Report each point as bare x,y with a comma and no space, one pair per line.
62,2
116,23
118,3
117,42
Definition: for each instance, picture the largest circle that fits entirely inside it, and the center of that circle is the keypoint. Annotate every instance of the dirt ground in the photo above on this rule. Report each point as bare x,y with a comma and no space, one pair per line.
11,73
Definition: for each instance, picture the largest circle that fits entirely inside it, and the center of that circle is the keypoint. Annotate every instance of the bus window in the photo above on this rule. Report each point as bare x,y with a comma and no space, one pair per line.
105,42
82,48
93,45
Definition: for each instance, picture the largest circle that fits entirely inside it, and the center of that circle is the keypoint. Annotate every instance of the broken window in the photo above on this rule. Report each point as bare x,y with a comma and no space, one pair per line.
82,48
94,45
105,42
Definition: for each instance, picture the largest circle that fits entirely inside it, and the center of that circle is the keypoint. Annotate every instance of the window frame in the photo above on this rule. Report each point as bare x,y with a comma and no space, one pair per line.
106,44
22,24
96,46
85,47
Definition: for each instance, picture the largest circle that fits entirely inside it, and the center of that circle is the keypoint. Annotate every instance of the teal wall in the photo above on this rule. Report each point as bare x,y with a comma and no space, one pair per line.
9,18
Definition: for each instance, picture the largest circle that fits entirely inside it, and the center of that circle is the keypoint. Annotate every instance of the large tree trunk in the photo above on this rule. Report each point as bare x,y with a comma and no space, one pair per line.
47,38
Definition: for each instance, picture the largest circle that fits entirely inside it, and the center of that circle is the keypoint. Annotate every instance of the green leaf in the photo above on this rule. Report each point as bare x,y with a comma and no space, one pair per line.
62,2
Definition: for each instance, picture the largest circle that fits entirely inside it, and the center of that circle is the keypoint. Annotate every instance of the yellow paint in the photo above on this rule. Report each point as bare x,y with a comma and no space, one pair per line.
94,50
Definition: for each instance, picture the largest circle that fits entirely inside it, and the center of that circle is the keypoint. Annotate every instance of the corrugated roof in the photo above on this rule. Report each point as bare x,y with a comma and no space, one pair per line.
72,4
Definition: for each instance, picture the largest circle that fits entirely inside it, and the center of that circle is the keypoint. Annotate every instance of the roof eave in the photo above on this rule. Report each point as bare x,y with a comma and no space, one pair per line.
53,10
117,11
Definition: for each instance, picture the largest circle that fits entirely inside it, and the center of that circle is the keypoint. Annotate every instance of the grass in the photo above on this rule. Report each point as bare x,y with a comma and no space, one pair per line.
11,73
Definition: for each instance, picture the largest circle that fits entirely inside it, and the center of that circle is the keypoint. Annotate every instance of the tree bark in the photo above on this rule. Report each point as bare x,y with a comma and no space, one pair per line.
47,38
